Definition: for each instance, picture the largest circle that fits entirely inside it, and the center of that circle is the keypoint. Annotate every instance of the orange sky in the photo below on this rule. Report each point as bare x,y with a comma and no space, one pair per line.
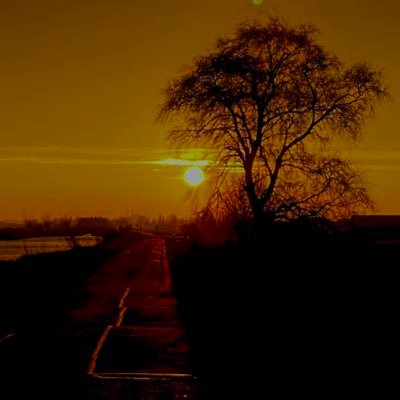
81,80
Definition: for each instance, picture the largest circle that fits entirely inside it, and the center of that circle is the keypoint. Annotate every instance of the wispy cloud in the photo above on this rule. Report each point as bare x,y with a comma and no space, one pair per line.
378,160
181,162
100,156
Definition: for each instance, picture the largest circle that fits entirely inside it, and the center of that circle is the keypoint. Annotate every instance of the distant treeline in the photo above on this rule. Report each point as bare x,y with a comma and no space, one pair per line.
201,227
100,226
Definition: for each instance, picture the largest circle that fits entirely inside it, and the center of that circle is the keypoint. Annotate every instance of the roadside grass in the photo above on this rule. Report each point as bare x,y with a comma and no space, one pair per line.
48,356
296,314
35,287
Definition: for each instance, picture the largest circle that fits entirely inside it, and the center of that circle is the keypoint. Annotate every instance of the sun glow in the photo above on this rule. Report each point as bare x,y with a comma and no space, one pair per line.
194,176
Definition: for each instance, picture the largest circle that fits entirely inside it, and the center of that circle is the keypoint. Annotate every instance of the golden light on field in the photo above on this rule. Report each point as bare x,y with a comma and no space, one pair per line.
194,176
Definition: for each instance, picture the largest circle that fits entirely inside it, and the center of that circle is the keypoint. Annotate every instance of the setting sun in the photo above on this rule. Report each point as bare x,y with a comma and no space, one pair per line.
194,176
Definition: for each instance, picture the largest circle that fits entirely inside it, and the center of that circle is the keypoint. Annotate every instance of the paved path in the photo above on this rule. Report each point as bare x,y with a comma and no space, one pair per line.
145,343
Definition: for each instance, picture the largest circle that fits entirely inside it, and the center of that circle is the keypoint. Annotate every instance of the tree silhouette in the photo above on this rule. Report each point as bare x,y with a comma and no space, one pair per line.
268,101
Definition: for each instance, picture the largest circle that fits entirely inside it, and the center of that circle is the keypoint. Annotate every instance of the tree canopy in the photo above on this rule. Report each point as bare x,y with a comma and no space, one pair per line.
268,101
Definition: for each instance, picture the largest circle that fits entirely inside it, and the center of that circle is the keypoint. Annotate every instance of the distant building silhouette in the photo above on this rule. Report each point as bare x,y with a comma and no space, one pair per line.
97,225
384,229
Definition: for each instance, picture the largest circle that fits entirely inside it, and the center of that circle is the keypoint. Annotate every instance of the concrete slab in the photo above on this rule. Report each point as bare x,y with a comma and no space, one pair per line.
137,300
146,351
151,316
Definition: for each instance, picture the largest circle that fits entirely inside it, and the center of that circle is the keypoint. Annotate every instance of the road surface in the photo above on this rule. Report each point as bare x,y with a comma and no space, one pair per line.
145,346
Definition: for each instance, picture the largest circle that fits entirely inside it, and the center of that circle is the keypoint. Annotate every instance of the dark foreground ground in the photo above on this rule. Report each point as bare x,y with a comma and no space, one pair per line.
290,316
48,354
73,324
300,316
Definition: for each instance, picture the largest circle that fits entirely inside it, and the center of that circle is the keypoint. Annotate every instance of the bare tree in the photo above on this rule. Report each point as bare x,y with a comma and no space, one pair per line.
269,100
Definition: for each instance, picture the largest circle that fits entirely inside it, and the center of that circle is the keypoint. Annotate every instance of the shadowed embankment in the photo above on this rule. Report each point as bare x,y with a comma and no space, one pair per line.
301,314
48,353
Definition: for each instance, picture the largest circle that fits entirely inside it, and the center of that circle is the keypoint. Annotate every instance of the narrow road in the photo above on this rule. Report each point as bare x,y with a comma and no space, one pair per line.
144,348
